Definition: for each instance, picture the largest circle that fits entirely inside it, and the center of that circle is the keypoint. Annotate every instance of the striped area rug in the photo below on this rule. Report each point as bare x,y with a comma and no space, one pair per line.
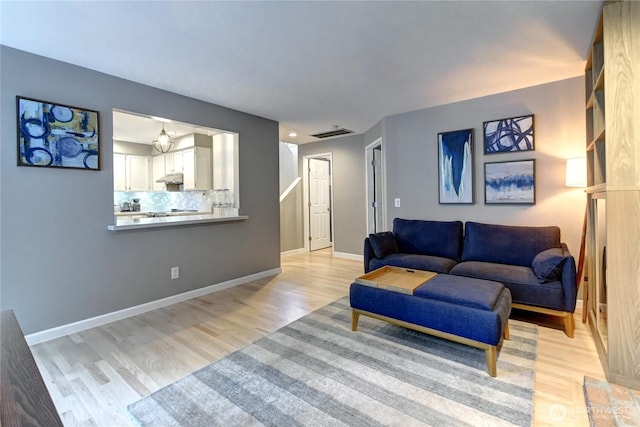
317,372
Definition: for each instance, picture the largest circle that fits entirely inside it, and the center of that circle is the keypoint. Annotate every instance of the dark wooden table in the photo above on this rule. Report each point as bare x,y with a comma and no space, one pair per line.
25,400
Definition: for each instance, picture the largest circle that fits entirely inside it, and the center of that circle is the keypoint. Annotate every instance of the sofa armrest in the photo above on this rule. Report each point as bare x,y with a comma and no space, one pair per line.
569,280
367,254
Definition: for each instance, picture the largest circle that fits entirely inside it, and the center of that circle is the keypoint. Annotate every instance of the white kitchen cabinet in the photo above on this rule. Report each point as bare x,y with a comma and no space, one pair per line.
119,172
130,173
173,162
137,173
157,172
196,167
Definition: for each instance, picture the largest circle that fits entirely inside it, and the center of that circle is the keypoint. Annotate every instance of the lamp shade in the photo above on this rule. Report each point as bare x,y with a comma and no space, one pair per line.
576,174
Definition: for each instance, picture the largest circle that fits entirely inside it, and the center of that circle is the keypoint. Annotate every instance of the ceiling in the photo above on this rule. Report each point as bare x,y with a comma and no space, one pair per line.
131,127
314,65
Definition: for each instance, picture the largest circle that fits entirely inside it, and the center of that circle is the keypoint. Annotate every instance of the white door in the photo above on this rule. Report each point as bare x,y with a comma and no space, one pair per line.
319,204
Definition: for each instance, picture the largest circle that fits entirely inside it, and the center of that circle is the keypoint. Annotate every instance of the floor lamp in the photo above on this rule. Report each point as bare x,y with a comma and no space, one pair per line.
576,176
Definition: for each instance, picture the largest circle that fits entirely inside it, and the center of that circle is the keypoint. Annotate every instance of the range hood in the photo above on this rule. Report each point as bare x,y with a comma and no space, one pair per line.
172,178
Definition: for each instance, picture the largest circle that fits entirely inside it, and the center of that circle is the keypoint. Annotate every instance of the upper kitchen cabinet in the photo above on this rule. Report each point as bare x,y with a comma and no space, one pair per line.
162,165
131,167
196,164
130,172
173,162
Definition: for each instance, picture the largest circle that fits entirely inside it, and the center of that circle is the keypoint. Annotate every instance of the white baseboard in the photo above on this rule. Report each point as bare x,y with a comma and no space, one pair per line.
294,251
71,328
348,256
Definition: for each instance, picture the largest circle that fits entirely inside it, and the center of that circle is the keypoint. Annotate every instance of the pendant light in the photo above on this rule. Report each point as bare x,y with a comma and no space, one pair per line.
163,143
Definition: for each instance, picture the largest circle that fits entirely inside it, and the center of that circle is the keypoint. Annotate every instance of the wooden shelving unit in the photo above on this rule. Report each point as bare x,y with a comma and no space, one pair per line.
612,88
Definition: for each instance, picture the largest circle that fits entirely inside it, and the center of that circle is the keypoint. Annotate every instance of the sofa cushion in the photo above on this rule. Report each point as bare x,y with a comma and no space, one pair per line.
383,243
521,281
547,265
496,272
418,262
513,245
467,291
437,238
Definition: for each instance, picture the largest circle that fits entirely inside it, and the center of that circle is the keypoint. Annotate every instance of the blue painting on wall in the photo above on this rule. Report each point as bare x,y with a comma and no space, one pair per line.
505,135
455,166
56,135
510,182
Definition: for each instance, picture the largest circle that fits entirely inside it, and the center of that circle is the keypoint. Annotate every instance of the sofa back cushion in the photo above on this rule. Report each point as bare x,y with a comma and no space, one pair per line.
437,238
383,244
504,244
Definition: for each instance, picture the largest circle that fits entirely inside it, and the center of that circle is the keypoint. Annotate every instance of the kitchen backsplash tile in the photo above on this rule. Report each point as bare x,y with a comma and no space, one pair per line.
162,201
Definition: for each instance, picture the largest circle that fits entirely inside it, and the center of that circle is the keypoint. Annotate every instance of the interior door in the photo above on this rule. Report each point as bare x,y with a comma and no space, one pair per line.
375,187
319,203
378,200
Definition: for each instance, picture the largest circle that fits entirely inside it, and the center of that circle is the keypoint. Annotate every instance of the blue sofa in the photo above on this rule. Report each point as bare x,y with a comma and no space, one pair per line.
531,262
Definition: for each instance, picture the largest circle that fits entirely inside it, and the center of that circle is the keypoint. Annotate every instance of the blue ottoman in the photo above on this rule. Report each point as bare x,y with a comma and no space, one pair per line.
470,311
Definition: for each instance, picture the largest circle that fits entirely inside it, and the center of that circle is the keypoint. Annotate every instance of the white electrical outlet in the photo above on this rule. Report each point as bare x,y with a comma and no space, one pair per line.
175,273
397,203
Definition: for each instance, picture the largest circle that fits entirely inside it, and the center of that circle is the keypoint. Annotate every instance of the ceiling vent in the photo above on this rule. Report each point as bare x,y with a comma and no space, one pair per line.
334,132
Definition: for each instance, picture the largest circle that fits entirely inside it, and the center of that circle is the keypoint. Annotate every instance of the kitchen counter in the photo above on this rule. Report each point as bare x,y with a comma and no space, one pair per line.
139,220
167,213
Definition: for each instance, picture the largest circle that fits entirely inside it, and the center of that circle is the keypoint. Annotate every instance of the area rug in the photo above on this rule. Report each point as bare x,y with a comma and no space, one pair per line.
611,404
317,372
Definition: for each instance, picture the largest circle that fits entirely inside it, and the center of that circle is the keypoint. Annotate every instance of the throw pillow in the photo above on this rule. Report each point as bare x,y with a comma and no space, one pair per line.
383,244
547,265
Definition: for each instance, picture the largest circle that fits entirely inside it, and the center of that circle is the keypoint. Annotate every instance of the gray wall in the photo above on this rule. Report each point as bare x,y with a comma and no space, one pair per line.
412,166
410,147
59,262
349,214
291,226
288,165
373,134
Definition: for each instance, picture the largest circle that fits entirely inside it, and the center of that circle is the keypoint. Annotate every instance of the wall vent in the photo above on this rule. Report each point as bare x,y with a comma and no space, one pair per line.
334,132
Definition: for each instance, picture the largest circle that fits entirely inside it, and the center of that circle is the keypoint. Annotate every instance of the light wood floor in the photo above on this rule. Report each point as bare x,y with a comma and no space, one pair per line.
93,375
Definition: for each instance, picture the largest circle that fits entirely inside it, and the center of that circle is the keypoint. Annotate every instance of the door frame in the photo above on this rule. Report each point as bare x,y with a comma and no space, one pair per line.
368,157
305,199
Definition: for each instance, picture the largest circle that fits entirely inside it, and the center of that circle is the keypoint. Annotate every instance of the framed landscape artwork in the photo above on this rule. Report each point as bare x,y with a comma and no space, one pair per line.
56,135
510,182
455,166
506,135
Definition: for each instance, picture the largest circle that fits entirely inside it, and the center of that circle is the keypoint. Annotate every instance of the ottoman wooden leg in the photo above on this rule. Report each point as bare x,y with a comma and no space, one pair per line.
354,320
492,356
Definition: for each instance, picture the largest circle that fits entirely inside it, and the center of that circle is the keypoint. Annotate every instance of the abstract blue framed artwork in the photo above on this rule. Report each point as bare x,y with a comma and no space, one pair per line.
505,135
57,135
510,182
455,166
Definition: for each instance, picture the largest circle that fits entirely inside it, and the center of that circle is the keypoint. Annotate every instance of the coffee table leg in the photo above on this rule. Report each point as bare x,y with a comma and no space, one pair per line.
354,320
491,355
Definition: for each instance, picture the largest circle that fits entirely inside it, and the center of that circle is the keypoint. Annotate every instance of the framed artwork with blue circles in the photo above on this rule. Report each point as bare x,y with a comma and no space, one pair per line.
57,135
